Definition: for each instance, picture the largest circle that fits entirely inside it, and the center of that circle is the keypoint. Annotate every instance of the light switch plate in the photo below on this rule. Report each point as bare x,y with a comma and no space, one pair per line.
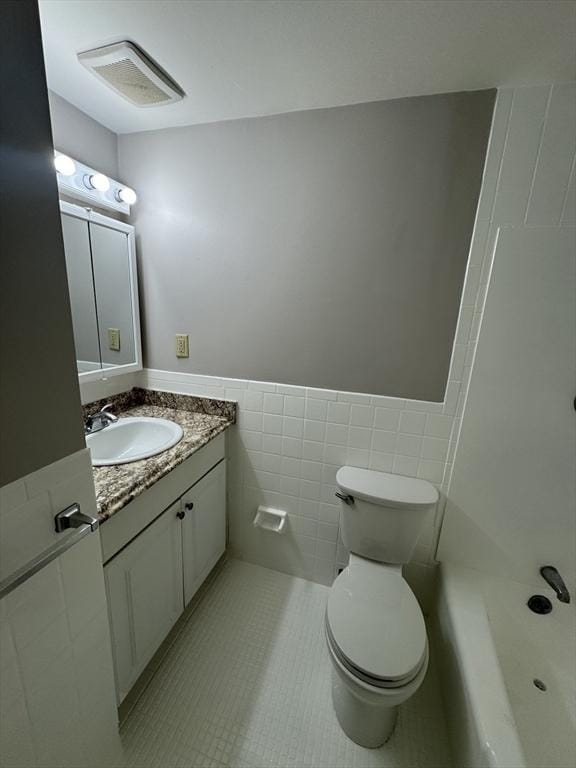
182,346
114,339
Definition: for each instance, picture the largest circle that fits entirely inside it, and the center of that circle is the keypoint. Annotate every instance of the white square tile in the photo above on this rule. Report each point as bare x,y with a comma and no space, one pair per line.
406,465
412,423
311,470
271,443
273,403
335,454
438,425
431,470
292,446
434,448
12,495
309,508
271,462
294,406
316,409
409,445
339,413
312,451
272,425
329,513
383,442
251,420
290,466
290,485
328,532
293,427
358,437
309,489
314,430
254,401
336,434
387,418
383,462
362,415
358,457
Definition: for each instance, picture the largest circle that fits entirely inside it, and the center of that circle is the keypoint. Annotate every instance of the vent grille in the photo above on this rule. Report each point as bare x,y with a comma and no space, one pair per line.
126,78
130,72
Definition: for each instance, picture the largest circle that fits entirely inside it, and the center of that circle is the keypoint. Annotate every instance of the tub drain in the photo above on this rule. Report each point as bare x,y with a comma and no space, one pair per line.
539,684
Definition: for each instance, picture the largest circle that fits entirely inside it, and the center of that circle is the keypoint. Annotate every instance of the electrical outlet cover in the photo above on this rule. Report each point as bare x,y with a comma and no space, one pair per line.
182,347
114,339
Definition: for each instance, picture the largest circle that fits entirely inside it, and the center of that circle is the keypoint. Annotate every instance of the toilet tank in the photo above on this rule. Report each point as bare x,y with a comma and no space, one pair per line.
382,515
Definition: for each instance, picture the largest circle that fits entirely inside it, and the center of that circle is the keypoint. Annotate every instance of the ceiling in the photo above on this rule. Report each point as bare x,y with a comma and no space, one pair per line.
243,58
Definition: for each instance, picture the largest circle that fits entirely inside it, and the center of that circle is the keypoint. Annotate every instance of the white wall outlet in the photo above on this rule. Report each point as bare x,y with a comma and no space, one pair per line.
114,339
182,346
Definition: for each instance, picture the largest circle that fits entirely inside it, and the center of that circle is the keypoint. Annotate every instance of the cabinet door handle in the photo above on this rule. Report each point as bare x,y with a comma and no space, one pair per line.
181,515
189,505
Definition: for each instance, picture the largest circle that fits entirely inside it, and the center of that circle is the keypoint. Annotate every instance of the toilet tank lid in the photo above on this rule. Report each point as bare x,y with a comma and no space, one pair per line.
385,488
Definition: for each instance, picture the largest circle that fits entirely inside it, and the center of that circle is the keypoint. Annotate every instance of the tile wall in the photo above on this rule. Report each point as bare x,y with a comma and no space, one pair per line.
57,701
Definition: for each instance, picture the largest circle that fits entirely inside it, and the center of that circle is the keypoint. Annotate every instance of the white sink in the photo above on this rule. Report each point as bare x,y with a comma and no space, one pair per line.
131,439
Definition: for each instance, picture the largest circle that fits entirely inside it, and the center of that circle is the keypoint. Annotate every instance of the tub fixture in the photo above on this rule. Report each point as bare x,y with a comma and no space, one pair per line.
375,630
100,420
132,438
553,578
539,684
539,604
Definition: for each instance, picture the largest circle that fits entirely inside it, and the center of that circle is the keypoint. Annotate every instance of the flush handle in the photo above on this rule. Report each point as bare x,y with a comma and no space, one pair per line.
346,498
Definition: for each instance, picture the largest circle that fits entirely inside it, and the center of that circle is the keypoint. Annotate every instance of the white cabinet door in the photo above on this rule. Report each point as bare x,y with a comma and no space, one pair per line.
144,586
203,528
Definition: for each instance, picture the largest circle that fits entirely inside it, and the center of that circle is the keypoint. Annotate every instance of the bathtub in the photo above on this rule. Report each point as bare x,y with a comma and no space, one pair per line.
491,649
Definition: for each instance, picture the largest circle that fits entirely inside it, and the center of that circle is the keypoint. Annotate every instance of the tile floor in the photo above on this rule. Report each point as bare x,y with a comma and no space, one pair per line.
247,684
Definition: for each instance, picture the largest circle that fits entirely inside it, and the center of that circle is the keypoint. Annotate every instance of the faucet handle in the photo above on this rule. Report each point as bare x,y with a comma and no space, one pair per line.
107,411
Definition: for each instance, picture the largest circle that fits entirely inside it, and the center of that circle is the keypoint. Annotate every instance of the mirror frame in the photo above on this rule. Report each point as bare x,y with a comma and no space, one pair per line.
90,216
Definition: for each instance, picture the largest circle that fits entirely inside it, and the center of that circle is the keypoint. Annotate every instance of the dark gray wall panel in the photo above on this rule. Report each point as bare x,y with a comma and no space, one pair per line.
40,415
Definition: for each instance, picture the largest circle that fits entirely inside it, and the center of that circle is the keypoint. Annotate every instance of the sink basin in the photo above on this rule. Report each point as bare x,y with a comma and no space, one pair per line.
131,439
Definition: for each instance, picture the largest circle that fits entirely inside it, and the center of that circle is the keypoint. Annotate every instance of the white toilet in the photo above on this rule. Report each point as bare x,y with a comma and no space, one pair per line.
374,626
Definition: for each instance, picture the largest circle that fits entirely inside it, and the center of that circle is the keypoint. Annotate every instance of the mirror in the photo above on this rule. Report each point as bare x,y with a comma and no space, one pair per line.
101,267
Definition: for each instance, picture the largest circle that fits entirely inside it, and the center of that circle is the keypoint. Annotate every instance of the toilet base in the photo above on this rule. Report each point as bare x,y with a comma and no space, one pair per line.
366,724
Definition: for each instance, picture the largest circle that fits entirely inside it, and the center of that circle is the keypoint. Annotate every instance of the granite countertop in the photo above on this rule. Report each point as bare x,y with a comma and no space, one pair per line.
201,419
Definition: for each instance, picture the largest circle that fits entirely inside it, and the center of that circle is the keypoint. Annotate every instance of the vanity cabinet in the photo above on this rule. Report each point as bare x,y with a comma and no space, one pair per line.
151,579
203,528
144,586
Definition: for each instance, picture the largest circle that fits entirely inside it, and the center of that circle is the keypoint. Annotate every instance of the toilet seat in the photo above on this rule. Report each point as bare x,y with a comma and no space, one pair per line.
374,624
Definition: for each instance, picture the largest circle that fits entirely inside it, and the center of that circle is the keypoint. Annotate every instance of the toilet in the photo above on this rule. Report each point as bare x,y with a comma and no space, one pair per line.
375,630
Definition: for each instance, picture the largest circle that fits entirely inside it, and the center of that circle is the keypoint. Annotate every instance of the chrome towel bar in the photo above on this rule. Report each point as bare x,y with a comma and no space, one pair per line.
83,524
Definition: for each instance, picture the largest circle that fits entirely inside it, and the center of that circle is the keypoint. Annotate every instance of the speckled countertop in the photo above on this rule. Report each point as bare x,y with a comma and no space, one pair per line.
201,420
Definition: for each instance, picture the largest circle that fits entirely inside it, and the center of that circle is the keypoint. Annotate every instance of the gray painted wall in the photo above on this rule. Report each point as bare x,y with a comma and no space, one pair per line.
324,248
78,135
40,416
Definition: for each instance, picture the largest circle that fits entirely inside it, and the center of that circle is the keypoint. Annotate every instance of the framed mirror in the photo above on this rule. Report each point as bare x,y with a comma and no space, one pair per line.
102,280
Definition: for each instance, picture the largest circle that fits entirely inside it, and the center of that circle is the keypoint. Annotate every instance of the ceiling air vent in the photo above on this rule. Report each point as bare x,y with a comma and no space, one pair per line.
130,72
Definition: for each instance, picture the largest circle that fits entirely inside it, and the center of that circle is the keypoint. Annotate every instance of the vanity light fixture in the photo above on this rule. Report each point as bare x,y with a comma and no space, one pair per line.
80,181
97,181
65,165
126,195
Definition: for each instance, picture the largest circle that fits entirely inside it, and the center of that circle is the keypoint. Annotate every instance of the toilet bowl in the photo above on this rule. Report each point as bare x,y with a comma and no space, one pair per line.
375,629
377,642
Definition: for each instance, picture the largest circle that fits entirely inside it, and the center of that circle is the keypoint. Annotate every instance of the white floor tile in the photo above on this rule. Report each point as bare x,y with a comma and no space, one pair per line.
247,684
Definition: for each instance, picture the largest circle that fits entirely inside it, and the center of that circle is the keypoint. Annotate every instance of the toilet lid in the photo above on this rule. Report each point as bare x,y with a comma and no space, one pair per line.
376,621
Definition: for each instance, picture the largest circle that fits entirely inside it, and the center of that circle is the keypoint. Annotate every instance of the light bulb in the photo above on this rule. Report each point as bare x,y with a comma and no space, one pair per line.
65,165
127,195
98,181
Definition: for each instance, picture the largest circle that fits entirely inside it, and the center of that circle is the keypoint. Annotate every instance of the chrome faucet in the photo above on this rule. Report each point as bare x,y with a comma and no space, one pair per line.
553,578
99,420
